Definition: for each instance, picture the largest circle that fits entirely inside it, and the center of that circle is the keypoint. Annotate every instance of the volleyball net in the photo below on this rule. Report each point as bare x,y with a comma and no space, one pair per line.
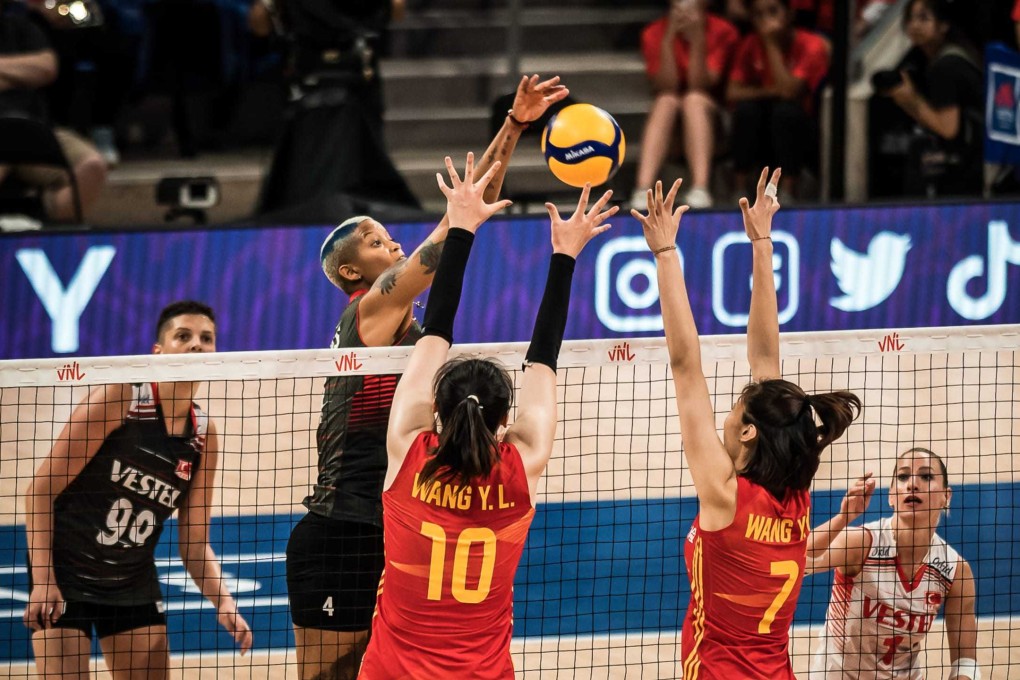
601,591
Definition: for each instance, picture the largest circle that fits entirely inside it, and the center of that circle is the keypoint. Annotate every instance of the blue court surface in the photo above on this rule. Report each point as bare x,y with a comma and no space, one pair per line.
591,568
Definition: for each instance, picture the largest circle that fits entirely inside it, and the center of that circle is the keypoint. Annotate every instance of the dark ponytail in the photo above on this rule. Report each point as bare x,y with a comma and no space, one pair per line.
473,397
789,445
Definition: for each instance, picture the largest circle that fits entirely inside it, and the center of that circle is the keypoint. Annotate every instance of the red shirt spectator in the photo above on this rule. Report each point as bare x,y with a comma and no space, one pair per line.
721,39
1016,11
807,57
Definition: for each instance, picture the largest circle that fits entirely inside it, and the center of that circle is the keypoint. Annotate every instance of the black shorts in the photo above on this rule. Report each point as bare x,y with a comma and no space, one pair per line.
333,570
109,619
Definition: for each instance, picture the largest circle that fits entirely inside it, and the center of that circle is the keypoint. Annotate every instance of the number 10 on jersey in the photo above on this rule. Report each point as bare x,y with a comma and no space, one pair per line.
458,582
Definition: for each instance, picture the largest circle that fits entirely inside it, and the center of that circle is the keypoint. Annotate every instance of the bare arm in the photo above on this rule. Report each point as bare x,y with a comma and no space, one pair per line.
197,554
666,78
99,414
836,545
28,71
763,321
714,476
534,431
412,408
532,100
387,306
961,624
699,78
944,122
785,84
739,92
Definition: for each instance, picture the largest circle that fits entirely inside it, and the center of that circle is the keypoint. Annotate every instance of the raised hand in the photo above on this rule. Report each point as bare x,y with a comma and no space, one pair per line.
662,222
758,218
465,204
45,605
533,98
570,236
228,617
857,497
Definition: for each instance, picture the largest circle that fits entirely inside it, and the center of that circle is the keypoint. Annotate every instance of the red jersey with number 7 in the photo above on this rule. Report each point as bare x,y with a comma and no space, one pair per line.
445,605
745,581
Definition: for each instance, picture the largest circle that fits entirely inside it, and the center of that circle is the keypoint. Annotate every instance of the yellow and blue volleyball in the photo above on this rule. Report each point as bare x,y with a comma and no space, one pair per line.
582,143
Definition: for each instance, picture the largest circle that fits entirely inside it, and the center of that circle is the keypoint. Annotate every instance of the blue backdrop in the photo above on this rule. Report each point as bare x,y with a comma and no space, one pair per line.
590,568
884,267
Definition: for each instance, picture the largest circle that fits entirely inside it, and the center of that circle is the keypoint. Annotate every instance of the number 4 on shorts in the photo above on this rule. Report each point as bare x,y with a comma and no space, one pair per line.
327,606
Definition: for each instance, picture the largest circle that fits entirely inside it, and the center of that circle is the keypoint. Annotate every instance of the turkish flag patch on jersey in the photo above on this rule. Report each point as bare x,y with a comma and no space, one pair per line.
184,470
933,599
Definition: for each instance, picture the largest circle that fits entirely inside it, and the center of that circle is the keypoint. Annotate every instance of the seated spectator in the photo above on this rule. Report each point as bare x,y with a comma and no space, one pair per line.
736,12
776,73
28,64
687,53
938,85
96,57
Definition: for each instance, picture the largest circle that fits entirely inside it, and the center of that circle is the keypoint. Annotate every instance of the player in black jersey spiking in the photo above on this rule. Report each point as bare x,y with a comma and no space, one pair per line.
127,459
335,553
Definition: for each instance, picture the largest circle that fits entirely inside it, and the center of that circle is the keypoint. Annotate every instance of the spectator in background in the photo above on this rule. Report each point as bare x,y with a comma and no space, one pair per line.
96,67
27,65
687,54
736,12
332,143
938,85
776,73
1016,21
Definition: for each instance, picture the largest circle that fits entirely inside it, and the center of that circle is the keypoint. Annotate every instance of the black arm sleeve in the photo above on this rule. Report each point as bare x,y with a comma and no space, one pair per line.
552,313
444,298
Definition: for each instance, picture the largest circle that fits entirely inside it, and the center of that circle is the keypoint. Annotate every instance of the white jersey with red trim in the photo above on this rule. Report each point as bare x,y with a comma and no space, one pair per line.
877,620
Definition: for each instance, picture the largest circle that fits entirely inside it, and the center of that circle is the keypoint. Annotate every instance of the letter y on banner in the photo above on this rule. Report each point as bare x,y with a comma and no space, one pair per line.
65,306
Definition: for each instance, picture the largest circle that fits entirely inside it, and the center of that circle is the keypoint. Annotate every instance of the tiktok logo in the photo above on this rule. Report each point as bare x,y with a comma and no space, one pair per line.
1002,250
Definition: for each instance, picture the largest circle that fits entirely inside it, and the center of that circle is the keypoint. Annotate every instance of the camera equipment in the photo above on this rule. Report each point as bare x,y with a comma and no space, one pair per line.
188,196
883,81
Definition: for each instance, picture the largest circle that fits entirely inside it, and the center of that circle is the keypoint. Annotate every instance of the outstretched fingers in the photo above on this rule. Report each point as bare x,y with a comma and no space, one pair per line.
554,214
485,179
671,196
582,202
762,181
601,203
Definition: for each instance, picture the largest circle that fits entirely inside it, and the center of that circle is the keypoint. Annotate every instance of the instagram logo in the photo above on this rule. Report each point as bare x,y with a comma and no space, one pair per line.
732,252
626,285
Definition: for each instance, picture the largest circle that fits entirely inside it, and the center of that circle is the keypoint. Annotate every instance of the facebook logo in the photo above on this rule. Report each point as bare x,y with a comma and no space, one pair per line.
731,261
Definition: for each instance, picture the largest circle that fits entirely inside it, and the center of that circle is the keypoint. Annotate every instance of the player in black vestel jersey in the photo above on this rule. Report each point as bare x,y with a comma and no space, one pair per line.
335,553
128,457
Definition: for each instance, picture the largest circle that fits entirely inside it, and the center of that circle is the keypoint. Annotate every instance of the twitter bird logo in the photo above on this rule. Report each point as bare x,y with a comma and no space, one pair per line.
867,279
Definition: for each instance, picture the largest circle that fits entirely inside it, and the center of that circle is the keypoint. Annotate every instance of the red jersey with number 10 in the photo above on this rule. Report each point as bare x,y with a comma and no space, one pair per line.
745,581
445,606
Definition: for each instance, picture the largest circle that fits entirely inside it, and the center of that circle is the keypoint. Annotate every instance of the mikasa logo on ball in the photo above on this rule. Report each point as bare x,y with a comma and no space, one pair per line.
574,154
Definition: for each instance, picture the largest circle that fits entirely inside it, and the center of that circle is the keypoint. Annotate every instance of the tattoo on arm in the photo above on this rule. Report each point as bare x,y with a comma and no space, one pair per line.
429,256
388,281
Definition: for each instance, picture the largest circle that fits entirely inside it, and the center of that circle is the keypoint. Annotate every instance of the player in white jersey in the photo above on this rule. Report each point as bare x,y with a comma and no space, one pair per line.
892,578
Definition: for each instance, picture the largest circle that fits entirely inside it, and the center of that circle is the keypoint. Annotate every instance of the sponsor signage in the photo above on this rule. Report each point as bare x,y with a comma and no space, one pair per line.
94,294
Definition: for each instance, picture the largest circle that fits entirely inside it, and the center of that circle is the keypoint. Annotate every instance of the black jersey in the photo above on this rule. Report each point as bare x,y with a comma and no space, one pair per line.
109,518
351,437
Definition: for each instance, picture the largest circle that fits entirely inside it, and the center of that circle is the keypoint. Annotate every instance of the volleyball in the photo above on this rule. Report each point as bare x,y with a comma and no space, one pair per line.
582,143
